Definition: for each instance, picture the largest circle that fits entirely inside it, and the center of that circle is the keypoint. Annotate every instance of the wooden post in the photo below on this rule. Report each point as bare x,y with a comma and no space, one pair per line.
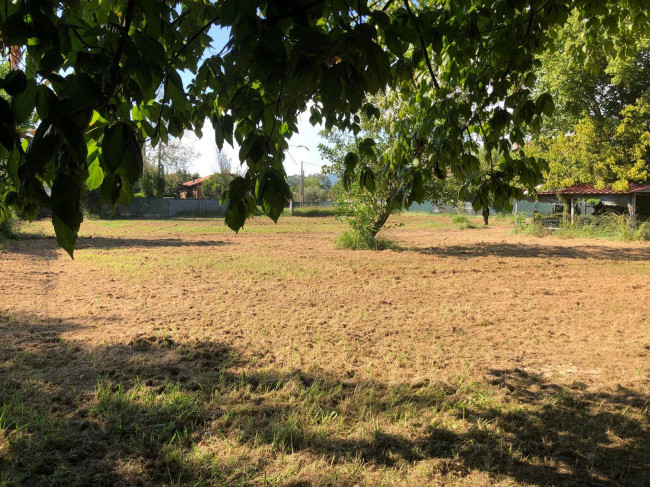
573,212
302,186
291,207
631,207
565,212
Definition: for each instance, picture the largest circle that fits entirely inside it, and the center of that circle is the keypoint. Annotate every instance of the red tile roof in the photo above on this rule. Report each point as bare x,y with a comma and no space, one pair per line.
590,189
194,182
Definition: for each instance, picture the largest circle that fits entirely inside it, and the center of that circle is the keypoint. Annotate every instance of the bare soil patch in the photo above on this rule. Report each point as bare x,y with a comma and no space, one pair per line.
177,352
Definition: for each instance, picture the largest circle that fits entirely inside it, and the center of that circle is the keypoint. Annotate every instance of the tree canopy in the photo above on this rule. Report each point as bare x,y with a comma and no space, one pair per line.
104,76
600,133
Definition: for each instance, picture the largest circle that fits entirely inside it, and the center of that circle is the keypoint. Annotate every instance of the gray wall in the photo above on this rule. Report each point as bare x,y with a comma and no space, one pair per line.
169,207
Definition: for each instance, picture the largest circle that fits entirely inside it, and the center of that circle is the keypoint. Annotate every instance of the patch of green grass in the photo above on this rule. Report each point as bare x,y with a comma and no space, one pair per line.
355,240
222,427
530,226
122,264
462,221
608,227
313,211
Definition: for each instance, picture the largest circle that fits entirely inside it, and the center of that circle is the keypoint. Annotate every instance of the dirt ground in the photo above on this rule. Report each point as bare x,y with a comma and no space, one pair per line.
176,352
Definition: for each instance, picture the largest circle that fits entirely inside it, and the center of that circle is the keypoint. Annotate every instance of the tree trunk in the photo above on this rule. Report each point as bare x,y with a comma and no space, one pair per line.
379,222
486,215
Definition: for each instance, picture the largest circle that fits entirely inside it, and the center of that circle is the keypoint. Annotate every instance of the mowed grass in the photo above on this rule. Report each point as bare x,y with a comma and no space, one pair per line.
175,353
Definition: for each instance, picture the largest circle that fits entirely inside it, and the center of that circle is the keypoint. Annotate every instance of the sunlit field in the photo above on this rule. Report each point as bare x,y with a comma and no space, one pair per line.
176,352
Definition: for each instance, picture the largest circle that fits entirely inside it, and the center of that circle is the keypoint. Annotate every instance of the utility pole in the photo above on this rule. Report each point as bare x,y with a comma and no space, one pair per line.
302,185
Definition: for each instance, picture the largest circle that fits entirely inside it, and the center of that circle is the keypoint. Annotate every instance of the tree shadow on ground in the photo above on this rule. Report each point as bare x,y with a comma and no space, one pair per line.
46,247
526,250
138,413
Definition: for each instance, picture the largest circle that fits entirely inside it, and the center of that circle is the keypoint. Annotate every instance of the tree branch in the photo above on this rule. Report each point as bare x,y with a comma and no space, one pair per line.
162,105
414,21
194,37
506,71
126,25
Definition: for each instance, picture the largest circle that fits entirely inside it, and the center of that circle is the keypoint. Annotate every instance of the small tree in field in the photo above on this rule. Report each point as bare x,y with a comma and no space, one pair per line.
366,201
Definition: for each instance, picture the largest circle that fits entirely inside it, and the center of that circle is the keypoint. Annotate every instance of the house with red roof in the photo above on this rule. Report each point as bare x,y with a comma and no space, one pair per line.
193,188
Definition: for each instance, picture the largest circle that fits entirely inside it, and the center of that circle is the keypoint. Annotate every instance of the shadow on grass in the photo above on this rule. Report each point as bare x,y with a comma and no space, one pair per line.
47,247
527,250
152,410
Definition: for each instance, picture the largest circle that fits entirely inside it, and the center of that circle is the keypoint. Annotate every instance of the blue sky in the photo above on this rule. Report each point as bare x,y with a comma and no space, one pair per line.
303,146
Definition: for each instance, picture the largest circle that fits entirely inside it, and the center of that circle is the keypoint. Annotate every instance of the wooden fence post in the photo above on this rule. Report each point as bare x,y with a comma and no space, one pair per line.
631,207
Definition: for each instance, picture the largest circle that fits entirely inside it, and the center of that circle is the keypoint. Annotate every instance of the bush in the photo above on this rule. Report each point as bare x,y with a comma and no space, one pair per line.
7,224
356,240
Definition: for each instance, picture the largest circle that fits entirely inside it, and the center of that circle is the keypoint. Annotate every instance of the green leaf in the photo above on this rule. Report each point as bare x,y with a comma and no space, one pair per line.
110,188
66,211
46,102
51,61
15,82
121,152
367,179
23,103
46,143
95,175
274,192
7,129
236,216
152,51
545,105
351,161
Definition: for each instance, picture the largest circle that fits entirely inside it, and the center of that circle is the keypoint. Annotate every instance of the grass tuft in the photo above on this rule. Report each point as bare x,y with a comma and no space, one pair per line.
355,240
462,221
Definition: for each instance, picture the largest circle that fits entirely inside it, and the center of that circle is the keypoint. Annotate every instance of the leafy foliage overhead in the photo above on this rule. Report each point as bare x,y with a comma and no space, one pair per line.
103,76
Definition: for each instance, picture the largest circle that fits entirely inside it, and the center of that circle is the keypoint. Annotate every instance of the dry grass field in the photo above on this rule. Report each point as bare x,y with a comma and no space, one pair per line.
175,352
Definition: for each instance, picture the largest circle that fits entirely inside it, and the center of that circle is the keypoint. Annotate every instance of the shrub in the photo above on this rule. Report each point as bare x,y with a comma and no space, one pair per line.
7,224
356,240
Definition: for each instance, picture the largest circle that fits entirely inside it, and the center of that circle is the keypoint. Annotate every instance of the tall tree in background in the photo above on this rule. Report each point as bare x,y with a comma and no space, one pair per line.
600,132
104,76
166,168
219,182
177,154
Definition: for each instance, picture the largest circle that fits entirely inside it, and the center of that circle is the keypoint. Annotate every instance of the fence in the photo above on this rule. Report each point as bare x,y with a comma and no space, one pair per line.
522,207
170,207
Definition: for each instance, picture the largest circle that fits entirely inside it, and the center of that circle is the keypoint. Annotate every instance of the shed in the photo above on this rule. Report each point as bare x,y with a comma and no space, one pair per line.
193,188
636,198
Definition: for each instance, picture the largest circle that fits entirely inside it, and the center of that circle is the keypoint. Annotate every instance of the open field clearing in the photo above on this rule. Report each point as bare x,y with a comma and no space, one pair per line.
176,352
